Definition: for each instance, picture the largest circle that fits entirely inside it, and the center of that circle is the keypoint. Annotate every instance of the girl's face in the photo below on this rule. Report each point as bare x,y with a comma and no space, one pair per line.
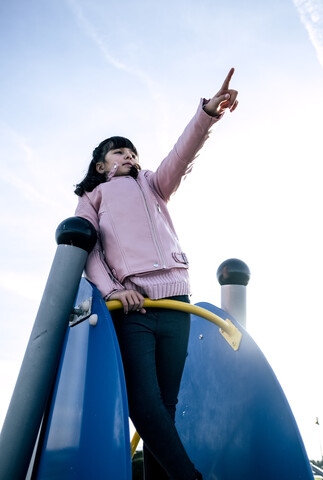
123,158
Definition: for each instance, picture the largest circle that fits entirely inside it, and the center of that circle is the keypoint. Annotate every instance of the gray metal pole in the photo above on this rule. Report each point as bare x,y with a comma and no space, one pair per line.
233,276
75,237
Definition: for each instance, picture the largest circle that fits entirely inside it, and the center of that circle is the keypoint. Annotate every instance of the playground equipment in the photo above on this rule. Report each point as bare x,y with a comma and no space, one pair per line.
68,417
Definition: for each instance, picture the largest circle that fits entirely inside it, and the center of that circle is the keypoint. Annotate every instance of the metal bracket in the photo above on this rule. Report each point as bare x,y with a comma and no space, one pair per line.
81,312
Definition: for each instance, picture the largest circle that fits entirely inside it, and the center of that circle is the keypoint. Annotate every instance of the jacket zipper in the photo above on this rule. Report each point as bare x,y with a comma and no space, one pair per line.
152,225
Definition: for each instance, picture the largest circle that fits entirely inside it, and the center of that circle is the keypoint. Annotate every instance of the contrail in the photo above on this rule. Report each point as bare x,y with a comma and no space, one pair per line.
155,91
152,87
95,37
311,13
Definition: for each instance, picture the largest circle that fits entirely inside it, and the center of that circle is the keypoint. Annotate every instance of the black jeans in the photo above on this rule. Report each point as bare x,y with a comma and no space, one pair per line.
154,348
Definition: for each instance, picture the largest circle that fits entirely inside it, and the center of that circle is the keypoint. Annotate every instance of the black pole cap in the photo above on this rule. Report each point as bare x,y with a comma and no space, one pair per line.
78,232
233,272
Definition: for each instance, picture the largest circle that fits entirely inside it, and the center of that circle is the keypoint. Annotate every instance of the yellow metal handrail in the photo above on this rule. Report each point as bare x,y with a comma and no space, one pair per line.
134,443
227,329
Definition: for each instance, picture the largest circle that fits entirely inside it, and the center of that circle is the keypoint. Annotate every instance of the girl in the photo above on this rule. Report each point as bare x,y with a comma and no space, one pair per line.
138,255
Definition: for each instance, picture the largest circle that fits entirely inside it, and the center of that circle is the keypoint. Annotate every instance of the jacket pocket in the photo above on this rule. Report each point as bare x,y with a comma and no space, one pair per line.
180,257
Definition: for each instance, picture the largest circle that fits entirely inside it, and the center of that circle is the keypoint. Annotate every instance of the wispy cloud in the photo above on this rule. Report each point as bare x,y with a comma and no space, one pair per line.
154,89
95,36
311,13
24,172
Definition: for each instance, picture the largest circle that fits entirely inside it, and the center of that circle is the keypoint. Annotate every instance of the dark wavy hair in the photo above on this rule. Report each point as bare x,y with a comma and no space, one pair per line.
93,178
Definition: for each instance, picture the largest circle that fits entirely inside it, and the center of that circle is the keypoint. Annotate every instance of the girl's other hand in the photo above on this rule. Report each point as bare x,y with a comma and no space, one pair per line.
131,300
226,98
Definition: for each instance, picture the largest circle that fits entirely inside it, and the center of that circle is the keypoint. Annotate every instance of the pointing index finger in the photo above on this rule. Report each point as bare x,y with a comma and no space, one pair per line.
226,82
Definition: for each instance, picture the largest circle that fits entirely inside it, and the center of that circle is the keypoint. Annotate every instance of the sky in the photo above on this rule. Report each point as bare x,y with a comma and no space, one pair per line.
74,72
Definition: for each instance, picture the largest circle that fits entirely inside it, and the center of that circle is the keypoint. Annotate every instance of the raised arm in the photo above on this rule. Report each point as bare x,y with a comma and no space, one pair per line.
179,161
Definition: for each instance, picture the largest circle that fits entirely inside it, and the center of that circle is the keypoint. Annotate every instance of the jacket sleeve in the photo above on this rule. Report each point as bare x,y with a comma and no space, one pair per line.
96,269
179,161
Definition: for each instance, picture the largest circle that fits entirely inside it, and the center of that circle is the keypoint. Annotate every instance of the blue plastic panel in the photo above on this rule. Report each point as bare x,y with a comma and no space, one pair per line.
87,433
232,415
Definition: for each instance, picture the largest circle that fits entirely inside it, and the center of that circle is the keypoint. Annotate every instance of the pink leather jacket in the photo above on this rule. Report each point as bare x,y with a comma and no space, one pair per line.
135,232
